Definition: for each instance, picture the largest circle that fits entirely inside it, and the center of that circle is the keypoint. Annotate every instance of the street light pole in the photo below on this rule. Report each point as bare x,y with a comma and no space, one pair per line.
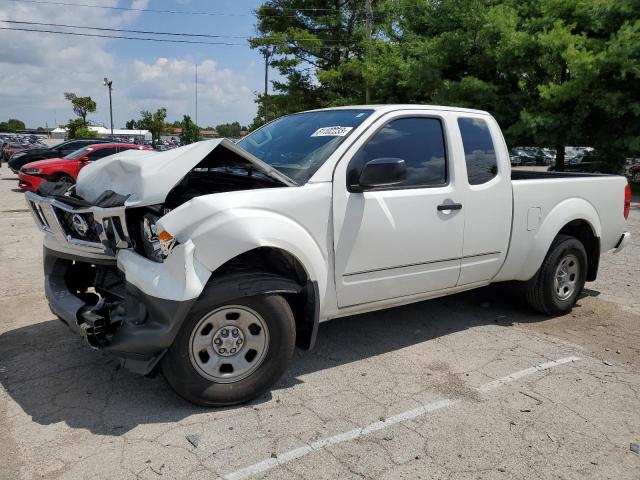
108,83
197,94
267,55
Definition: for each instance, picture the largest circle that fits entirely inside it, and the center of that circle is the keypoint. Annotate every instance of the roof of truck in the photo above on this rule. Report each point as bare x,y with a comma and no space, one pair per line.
405,106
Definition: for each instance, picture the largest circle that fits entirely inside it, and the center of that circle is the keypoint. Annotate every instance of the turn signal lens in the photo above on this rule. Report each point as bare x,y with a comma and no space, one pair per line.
167,242
627,201
165,236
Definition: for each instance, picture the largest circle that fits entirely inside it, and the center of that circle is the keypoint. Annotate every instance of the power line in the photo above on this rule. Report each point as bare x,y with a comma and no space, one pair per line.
172,12
119,36
148,32
123,30
146,39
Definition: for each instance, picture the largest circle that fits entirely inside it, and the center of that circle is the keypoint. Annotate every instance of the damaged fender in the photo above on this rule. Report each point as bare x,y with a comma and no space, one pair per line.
223,228
180,277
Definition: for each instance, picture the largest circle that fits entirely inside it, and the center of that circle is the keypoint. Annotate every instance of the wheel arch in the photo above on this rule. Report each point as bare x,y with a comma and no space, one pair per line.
269,270
575,217
583,231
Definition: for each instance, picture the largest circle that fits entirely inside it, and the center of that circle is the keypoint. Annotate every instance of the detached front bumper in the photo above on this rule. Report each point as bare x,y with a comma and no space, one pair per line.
119,318
117,299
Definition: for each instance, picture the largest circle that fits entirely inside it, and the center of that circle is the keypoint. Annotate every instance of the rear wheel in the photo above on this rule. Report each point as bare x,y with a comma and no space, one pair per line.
558,283
231,352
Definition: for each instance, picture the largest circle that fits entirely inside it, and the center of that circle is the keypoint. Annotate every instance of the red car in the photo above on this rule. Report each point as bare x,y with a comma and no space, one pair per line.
9,148
66,169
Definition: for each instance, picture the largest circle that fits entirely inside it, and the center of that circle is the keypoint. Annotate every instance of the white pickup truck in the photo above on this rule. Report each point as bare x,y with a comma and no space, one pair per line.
213,261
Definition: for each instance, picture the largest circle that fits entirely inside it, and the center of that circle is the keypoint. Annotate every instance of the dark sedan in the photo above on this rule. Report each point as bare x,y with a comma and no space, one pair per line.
20,159
588,163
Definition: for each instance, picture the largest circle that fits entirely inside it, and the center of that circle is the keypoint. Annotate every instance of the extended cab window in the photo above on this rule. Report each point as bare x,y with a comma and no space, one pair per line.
479,152
419,141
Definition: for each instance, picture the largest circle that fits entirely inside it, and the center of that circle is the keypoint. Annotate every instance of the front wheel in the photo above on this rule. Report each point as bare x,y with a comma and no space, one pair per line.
66,179
231,352
556,286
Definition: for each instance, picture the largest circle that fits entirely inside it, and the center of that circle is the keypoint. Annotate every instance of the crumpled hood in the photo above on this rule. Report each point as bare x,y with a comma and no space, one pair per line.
146,177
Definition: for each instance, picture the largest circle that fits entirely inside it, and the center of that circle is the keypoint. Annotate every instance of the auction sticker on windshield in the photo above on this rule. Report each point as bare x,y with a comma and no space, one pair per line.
331,132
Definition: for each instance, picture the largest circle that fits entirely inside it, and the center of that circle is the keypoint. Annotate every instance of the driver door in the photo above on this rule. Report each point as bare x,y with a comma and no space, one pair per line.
398,240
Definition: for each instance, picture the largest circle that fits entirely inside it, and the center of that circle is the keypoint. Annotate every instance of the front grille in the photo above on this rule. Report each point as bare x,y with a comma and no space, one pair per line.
75,230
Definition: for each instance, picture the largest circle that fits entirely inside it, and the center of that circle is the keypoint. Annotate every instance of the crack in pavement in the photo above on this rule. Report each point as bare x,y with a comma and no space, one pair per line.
299,452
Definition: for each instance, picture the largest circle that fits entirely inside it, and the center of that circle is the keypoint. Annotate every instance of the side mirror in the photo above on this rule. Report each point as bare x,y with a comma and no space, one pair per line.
381,172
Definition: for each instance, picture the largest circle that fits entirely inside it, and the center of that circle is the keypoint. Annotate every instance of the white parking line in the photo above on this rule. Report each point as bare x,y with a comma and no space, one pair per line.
299,452
523,373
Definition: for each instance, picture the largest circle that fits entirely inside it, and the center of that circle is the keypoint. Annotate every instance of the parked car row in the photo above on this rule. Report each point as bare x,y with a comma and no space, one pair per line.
20,159
11,144
66,169
526,156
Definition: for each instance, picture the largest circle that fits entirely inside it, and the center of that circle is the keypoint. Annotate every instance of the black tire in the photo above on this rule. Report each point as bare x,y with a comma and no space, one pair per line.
189,383
540,291
66,179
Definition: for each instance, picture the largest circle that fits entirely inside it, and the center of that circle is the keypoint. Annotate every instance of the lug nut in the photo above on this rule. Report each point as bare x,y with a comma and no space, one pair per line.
233,350
234,332
225,332
222,350
217,341
239,341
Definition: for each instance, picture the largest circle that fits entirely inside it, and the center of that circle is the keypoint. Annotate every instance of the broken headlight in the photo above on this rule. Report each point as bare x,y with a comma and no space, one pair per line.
149,236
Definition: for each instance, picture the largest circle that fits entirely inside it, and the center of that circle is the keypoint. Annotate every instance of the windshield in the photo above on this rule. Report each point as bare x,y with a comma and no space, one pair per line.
297,145
77,153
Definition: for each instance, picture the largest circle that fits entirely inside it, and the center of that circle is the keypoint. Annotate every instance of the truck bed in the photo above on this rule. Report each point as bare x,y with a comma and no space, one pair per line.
544,202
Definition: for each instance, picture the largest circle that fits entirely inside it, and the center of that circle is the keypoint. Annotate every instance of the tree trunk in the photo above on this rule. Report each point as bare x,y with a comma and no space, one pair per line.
560,158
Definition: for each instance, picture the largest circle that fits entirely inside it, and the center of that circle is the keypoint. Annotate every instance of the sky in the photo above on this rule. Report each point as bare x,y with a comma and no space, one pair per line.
37,68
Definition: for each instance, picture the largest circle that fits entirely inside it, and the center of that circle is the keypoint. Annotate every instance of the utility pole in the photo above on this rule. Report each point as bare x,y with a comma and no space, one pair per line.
108,83
197,95
267,55
368,14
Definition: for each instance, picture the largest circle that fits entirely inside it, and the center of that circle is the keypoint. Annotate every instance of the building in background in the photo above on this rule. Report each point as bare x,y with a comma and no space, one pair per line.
133,136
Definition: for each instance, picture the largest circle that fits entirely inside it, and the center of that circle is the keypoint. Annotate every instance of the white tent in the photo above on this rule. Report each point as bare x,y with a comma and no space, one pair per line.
103,132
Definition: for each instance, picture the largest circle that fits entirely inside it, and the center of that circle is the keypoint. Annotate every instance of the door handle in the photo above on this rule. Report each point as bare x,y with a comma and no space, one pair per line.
449,206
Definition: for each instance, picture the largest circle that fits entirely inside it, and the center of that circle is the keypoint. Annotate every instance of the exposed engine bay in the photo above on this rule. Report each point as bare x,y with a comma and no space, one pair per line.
116,218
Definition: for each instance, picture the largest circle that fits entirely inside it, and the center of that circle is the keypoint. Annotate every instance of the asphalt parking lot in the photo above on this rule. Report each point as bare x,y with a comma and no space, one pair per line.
468,386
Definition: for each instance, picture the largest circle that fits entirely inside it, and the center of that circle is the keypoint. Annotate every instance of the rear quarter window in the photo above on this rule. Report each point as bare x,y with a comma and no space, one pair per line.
479,151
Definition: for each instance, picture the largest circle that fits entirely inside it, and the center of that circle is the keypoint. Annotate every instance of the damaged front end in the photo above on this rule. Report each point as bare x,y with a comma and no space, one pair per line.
106,276
95,300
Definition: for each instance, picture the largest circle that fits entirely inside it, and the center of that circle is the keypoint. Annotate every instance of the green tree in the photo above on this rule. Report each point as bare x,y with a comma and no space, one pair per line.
82,106
325,37
77,129
584,84
552,72
190,131
12,125
229,130
131,125
154,122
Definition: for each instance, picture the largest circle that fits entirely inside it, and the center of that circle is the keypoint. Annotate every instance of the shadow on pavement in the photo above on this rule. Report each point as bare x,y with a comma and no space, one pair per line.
55,377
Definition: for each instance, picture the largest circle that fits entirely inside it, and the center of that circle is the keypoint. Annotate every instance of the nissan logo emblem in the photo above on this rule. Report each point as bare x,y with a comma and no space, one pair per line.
80,225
